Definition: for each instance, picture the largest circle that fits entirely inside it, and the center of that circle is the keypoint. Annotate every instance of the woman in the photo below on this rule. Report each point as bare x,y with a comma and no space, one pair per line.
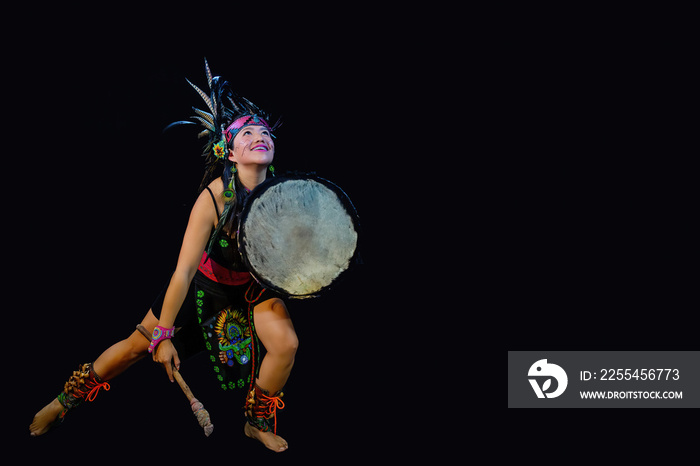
204,306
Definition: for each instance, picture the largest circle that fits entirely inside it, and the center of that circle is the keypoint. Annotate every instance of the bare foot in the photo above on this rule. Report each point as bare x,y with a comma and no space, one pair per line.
44,418
269,439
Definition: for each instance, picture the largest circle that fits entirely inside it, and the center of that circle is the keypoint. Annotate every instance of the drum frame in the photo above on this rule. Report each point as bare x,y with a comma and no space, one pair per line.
267,184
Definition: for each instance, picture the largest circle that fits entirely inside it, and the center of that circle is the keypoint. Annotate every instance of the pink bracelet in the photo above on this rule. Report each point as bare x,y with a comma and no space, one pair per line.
160,334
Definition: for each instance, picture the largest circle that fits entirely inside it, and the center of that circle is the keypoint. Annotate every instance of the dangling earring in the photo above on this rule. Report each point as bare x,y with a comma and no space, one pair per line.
272,169
230,192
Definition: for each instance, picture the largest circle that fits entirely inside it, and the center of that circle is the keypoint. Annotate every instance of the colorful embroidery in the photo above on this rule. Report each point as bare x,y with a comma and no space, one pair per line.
229,341
229,336
233,332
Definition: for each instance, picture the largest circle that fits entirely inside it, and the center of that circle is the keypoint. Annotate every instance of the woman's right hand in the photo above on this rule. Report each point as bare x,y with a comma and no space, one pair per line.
166,354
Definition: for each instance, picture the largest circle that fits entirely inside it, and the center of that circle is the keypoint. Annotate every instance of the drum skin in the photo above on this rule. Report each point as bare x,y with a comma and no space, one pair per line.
298,234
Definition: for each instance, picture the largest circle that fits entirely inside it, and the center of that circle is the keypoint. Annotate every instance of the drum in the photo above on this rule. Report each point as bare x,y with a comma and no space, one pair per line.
298,234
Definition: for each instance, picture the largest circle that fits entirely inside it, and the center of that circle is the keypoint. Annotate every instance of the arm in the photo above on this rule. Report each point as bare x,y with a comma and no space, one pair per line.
199,227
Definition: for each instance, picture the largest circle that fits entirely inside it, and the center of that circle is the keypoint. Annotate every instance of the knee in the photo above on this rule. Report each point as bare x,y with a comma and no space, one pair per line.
285,349
137,346
278,331
284,345
291,344
288,340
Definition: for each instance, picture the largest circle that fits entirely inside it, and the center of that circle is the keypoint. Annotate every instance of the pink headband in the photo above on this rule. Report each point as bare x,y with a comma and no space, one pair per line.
239,123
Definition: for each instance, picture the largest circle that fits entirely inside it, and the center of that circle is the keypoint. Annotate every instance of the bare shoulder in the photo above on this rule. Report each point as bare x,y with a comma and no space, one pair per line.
217,187
205,200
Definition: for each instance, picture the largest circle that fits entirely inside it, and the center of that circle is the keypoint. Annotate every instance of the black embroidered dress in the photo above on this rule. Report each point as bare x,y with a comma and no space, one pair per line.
217,315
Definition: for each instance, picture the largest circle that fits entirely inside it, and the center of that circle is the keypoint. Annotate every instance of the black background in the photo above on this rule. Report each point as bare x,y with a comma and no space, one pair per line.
522,180
99,199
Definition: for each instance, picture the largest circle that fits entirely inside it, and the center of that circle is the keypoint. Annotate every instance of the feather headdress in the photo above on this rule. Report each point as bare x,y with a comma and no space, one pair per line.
225,115
213,120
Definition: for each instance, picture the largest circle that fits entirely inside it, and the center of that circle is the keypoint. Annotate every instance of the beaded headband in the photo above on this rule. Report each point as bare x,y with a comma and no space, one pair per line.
239,123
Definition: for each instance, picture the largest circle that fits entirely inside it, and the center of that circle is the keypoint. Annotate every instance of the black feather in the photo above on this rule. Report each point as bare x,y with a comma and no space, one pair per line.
178,123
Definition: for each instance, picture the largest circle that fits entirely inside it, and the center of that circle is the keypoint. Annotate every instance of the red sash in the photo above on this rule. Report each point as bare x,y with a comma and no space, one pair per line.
221,274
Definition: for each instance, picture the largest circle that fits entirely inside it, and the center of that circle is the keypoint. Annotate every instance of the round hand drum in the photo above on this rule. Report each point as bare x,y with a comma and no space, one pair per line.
298,234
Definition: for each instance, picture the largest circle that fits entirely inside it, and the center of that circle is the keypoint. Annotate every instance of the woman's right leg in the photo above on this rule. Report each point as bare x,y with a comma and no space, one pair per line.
120,356
112,362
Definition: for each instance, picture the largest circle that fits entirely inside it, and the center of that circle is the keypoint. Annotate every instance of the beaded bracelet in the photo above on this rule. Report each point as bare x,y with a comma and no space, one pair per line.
160,334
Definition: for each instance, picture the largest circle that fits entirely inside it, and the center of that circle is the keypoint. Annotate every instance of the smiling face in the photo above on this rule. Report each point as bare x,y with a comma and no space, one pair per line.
252,146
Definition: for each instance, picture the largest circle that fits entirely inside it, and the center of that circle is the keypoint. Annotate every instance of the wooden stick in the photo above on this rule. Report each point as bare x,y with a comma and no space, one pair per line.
200,413
183,385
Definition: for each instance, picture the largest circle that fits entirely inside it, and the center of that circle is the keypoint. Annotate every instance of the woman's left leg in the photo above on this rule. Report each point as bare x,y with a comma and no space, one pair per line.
276,332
